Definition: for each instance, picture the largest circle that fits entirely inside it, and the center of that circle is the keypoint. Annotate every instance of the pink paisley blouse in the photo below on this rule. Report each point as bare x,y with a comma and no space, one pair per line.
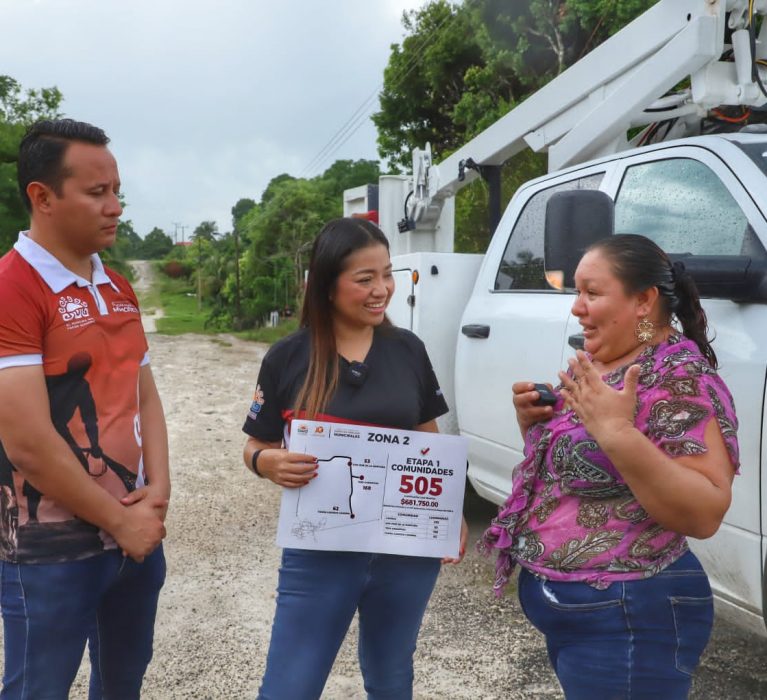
570,515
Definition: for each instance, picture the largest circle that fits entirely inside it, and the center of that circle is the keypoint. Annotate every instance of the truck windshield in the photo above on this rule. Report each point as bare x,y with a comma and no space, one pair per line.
757,152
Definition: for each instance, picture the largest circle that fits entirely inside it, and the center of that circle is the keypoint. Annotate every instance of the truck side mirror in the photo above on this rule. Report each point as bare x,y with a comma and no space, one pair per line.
574,220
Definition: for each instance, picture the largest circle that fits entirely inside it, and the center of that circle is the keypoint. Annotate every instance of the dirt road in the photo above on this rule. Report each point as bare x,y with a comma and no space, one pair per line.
142,283
216,608
214,622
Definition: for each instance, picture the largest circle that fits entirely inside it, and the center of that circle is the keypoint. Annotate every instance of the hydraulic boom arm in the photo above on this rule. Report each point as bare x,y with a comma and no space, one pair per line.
587,111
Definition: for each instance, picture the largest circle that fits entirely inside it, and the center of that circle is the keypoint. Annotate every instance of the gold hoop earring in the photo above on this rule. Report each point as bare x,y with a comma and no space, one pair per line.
645,330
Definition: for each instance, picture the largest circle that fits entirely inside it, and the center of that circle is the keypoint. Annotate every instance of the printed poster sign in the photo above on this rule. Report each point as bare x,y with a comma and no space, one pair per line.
377,490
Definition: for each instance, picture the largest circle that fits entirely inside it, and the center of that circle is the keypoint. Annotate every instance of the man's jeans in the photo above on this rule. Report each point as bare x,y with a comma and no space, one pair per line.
317,596
634,640
49,610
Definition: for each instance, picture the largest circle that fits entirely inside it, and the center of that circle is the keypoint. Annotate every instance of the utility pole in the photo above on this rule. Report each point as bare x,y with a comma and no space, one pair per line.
275,283
198,240
236,273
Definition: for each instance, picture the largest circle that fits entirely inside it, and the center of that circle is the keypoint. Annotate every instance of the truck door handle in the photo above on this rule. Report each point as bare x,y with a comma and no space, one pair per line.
474,330
576,341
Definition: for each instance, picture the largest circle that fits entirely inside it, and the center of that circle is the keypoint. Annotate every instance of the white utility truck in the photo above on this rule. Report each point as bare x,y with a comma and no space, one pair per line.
494,319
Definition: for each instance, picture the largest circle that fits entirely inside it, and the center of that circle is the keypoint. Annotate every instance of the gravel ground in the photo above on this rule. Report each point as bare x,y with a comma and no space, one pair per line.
217,605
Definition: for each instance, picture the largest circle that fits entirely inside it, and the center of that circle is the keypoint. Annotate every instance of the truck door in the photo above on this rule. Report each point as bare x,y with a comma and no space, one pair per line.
512,329
400,310
688,201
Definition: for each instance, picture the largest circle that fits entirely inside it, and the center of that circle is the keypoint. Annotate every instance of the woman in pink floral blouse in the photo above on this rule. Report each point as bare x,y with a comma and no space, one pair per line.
638,453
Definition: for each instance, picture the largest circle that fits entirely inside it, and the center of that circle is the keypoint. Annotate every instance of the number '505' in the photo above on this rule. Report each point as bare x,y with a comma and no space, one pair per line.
421,485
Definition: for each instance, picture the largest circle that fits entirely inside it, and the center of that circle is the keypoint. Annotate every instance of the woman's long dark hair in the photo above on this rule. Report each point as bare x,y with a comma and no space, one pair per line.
639,264
337,240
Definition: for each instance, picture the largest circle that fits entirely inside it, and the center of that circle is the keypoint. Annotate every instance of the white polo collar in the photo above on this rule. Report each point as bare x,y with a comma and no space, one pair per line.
49,267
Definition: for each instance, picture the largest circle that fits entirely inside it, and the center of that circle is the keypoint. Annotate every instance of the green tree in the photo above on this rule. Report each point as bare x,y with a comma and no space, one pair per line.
424,80
242,207
218,283
207,230
462,67
18,109
603,18
243,275
197,254
126,247
345,174
128,241
274,185
280,231
505,52
205,255
234,279
157,244
259,267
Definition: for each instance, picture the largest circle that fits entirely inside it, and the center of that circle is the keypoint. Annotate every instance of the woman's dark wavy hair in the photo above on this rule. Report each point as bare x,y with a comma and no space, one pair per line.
640,264
337,240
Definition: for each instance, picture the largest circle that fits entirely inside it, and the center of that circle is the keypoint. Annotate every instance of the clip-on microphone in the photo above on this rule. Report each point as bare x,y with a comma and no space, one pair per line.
356,373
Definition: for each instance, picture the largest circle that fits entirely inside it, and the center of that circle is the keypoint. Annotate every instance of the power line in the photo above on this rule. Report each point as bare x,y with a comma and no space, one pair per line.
318,158
346,132
353,124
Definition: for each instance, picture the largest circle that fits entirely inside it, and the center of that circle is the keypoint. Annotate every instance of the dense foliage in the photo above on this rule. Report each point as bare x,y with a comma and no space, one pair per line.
258,267
18,109
463,66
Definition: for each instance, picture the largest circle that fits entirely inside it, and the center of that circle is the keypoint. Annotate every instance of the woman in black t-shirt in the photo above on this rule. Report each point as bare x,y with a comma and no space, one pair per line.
347,363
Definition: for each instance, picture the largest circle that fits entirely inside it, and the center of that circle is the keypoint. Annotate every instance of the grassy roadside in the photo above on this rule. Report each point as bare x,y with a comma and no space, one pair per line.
150,298
178,301
270,335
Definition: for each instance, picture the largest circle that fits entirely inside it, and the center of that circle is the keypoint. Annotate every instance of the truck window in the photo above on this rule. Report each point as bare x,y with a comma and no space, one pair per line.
522,263
684,207
757,152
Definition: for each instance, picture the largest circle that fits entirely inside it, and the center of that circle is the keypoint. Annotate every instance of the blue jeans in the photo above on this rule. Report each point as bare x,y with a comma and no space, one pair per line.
635,640
49,610
317,596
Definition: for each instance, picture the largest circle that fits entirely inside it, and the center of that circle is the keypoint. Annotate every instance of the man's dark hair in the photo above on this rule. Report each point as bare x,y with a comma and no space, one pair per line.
41,153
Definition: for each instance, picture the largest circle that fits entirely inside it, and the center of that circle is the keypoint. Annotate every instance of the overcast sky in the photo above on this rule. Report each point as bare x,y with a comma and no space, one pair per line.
207,100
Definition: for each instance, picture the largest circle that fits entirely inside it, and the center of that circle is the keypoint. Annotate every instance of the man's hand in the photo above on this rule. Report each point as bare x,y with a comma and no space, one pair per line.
141,529
148,492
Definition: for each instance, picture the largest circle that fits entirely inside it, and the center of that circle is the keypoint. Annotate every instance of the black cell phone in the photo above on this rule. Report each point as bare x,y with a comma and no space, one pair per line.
548,397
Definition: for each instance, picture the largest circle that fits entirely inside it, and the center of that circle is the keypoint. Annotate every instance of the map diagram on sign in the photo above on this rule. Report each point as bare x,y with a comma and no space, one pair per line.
377,490
353,491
